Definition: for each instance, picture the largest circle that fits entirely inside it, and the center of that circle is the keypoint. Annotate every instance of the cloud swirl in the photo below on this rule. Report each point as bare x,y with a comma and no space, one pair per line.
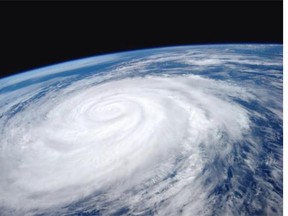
162,144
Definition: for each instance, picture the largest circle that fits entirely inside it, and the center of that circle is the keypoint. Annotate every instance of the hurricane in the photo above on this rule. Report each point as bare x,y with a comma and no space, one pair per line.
192,130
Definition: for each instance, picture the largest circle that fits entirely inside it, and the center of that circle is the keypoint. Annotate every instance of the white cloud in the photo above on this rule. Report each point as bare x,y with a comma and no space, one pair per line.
123,139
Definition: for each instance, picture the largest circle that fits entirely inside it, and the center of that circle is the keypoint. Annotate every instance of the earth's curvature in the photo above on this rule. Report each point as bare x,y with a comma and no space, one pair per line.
191,130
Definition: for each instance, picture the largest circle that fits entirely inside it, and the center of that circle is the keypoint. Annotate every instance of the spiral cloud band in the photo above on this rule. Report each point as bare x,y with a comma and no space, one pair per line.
120,135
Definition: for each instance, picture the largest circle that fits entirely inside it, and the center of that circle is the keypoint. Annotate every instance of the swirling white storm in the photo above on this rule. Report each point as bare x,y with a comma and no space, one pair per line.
191,130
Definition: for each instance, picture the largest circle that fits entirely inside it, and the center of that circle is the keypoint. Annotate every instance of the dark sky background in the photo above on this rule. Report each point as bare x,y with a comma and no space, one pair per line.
33,35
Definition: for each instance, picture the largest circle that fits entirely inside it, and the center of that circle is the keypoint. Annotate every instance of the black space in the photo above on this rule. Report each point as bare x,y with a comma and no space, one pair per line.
37,34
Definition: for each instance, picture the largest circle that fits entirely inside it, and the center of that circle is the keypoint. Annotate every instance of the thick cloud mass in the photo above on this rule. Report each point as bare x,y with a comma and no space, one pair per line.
122,135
